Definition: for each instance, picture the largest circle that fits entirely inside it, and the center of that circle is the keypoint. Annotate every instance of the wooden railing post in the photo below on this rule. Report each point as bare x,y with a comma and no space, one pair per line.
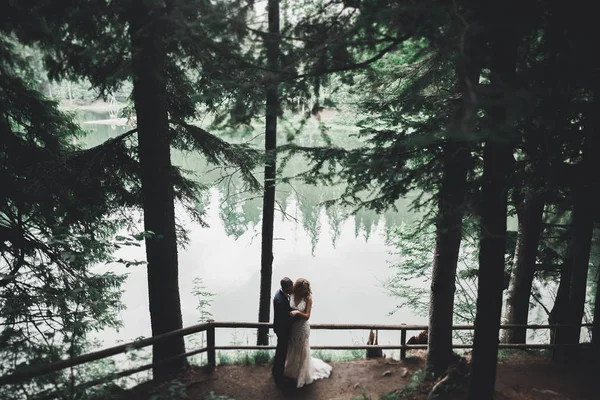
210,345
403,343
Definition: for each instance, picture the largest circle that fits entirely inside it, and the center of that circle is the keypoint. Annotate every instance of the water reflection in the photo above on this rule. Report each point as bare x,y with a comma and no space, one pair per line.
344,256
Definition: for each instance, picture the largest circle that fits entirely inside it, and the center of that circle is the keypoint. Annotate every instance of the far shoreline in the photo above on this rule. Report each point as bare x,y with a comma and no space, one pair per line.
95,106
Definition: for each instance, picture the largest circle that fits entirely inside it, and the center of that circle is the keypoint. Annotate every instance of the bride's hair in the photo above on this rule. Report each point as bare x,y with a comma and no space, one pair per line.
302,287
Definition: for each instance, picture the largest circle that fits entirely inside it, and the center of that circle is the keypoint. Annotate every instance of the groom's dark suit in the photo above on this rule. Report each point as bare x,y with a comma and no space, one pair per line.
282,323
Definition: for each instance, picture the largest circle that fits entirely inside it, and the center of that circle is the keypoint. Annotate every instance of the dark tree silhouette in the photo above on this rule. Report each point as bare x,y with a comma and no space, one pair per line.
147,28
497,170
266,255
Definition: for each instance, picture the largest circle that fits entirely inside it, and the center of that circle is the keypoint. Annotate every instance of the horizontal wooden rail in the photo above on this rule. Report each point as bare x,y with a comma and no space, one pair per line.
54,394
406,347
387,327
23,374
27,373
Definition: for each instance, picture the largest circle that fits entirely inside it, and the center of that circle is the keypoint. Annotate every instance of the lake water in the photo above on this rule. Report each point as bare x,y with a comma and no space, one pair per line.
345,259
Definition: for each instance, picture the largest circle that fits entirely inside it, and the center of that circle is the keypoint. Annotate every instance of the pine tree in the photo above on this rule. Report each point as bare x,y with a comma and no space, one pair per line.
102,49
148,60
451,208
497,172
272,112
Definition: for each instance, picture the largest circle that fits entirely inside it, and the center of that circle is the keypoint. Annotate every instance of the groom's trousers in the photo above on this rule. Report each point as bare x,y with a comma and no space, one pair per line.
280,354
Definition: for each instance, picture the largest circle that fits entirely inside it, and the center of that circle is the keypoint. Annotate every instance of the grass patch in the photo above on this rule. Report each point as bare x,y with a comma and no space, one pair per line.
245,357
265,357
505,354
511,354
339,356
212,396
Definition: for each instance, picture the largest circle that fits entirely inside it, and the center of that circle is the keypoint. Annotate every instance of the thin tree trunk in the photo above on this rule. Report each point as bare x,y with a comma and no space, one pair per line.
449,224
497,170
491,271
573,306
584,192
529,202
69,92
266,259
530,214
447,246
584,229
148,58
558,315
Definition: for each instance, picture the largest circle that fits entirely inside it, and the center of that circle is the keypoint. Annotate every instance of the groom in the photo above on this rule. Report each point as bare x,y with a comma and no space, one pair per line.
282,323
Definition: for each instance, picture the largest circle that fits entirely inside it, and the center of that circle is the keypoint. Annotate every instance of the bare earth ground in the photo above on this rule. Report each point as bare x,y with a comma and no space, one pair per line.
523,377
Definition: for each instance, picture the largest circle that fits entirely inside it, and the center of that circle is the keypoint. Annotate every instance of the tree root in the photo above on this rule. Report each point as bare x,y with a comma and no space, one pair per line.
455,377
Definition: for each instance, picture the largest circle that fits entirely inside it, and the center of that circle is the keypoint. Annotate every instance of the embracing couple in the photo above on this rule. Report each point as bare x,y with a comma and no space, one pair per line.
292,305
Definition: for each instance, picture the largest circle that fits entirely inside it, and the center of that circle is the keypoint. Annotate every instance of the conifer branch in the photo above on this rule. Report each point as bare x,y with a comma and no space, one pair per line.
218,151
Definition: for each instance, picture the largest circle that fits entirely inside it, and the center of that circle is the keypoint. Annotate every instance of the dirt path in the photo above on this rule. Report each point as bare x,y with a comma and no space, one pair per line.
541,379
254,382
520,379
348,380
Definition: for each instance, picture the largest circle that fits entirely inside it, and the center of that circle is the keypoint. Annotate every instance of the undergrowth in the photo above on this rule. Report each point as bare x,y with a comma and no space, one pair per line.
265,357
509,354
245,357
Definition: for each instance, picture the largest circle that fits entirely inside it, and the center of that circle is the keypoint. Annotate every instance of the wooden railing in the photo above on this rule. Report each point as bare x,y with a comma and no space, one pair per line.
23,374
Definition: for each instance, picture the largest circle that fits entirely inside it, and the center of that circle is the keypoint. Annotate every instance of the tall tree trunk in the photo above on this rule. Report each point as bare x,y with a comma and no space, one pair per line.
530,214
449,222
148,59
266,257
497,170
584,193
596,321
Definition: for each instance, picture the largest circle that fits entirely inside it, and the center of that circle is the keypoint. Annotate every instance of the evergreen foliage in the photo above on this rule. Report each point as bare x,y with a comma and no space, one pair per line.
422,79
53,228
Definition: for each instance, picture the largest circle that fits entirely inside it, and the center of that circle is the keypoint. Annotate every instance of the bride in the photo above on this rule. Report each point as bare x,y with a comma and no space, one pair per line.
300,365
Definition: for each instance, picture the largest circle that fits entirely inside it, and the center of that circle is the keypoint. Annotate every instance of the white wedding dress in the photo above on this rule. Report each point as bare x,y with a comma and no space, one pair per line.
299,364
